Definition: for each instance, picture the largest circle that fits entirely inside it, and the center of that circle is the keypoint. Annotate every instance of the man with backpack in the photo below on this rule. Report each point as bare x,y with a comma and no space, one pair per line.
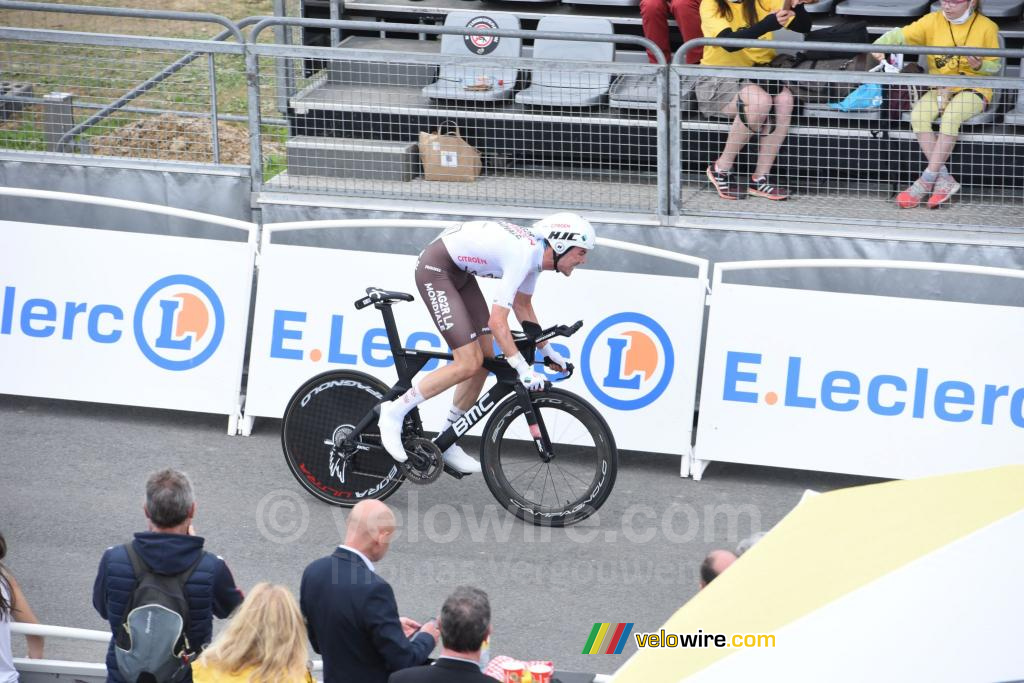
161,592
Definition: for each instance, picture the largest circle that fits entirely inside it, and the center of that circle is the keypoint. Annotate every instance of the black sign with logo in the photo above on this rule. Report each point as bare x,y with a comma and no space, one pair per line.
481,45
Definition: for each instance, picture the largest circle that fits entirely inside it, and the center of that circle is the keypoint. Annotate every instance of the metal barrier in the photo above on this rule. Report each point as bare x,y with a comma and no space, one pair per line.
845,167
37,670
51,669
540,128
124,96
617,136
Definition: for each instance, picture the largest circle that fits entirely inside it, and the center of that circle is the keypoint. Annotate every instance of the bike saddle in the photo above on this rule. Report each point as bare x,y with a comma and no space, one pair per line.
377,296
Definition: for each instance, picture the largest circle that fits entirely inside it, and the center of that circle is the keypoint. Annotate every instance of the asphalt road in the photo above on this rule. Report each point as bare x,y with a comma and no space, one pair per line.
71,484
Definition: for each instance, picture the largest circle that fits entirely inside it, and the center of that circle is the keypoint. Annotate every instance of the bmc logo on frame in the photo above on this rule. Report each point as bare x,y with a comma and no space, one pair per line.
178,321
627,361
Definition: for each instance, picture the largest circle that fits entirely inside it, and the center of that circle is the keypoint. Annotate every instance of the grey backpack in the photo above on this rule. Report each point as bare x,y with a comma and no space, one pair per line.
151,645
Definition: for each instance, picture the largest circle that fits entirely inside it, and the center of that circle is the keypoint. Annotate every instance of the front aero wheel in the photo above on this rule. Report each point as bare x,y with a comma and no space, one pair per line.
318,418
573,484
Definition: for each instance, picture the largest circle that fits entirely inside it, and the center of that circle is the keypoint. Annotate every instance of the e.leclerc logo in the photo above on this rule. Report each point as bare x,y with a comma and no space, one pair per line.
178,321
173,325
627,361
919,393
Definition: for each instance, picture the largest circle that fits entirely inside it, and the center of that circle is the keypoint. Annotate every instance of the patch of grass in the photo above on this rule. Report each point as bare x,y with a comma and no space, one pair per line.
107,125
274,161
24,137
274,164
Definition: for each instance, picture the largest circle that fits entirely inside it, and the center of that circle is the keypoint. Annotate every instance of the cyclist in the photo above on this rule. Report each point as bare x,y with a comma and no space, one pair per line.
446,278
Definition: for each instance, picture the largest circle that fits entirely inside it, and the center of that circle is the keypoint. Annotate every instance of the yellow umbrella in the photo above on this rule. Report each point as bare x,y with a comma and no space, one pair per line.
913,580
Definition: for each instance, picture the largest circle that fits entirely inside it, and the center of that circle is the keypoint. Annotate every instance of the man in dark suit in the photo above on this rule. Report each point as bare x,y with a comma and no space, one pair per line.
465,625
350,612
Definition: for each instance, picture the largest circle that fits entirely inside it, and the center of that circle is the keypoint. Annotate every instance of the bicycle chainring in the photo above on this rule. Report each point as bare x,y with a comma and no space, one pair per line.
425,463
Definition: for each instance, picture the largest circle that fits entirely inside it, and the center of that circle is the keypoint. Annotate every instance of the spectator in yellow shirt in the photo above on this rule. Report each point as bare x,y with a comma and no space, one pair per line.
748,102
958,24
264,643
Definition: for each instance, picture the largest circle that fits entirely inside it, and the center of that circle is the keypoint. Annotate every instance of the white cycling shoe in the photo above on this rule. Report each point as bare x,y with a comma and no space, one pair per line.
390,424
460,460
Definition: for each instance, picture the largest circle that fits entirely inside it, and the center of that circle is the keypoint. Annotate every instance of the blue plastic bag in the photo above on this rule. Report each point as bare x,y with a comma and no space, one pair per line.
867,96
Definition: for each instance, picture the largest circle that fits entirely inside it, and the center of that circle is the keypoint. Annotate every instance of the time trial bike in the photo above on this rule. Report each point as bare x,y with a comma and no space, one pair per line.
547,456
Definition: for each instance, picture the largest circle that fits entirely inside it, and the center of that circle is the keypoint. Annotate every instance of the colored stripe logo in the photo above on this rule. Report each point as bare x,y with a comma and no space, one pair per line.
607,638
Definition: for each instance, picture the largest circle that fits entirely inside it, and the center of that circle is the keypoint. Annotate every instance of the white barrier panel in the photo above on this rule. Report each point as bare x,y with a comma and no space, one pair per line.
636,354
868,385
125,318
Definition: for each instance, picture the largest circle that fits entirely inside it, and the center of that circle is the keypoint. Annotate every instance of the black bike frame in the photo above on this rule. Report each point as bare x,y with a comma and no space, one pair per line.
409,362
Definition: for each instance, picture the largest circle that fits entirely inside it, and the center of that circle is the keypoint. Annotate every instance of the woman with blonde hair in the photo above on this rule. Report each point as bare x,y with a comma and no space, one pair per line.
264,643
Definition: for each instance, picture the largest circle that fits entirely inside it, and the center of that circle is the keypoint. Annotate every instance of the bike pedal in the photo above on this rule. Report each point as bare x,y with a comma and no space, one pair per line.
448,469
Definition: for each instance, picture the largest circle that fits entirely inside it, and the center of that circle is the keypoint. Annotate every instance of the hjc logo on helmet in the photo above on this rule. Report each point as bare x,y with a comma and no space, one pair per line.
564,235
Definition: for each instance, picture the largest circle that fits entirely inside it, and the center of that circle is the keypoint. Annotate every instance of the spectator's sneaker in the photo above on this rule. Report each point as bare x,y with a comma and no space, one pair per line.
945,187
914,195
762,187
460,460
725,183
390,424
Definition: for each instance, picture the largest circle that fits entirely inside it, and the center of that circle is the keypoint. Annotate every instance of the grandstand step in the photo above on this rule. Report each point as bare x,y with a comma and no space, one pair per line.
508,131
389,70
390,101
600,192
352,158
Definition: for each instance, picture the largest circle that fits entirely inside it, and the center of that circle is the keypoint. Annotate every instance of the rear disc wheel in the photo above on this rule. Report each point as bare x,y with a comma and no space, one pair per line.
319,418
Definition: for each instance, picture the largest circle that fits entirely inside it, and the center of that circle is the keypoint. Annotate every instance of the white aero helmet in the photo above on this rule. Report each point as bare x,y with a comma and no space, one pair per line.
564,231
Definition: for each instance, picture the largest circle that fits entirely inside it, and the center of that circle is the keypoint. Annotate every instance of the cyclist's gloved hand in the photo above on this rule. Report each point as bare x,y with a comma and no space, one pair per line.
548,352
530,379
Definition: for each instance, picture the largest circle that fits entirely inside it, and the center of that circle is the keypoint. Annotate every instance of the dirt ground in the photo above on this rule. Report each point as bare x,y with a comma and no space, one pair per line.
177,138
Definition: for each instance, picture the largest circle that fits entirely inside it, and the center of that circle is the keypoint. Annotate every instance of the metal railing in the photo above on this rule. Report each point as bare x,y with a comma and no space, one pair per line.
848,167
623,137
85,82
540,128
64,71
79,670
55,669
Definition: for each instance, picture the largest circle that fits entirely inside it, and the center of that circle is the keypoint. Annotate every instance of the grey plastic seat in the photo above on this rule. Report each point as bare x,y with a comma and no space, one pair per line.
634,91
884,8
641,91
466,80
816,110
820,7
570,88
1015,117
996,9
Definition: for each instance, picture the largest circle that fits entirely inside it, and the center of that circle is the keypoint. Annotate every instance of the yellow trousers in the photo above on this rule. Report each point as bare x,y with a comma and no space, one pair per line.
954,110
